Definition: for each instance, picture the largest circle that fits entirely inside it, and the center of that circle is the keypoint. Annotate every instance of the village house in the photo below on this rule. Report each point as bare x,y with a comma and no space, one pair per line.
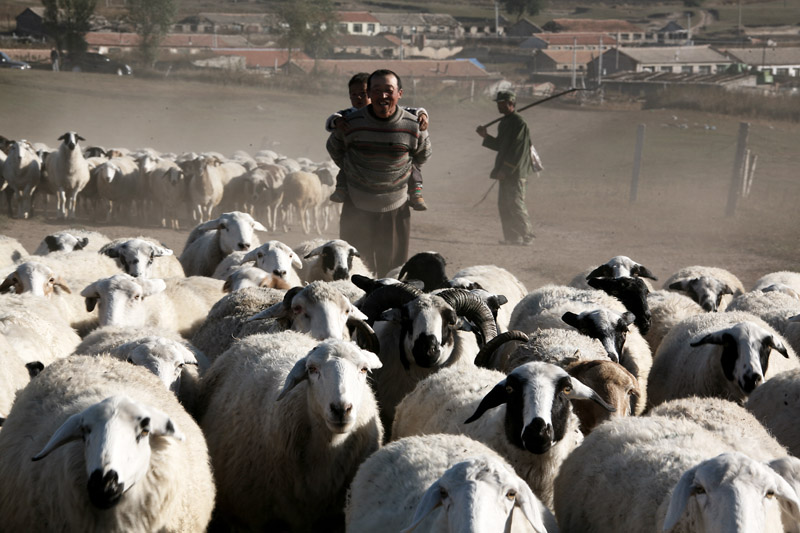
357,23
569,41
778,61
623,31
672,59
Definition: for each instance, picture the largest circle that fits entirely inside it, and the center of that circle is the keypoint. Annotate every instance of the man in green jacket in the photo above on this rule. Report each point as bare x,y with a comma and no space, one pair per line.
512,167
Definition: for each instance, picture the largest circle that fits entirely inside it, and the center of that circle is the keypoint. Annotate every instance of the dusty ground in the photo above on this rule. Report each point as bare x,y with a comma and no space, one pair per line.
579,205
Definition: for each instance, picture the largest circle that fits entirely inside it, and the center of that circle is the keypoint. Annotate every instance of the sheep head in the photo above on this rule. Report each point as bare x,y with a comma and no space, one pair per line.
609,327
135,256
336,257
120,299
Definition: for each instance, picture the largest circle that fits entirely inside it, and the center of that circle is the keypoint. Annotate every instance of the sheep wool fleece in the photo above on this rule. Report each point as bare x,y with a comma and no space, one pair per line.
513,162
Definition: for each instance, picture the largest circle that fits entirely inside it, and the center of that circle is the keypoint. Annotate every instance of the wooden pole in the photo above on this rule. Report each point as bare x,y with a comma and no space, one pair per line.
637,163
738,166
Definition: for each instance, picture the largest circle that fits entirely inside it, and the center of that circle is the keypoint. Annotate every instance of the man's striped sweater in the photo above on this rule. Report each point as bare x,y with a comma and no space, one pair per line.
376,155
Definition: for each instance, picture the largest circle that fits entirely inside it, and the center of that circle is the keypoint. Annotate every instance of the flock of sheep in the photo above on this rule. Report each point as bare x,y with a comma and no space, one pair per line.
164,188
249,386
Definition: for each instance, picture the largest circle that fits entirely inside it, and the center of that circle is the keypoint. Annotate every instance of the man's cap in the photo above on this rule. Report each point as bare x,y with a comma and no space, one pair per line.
503,96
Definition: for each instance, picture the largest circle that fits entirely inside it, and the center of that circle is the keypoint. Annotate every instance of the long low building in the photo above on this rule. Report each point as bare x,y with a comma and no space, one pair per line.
779,61
671,59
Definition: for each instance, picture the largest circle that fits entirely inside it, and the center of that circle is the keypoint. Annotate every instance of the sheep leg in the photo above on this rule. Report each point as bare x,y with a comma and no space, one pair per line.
61,203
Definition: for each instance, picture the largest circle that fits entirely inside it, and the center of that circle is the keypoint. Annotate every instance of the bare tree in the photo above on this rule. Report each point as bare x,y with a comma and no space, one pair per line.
67,22
152,19
520,7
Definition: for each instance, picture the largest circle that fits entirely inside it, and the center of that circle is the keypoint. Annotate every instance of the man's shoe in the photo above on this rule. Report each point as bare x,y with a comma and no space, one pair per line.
338,196
527,241
417,203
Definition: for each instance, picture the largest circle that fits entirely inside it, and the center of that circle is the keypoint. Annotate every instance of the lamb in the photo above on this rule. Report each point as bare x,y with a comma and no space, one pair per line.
684,478
140,463
168,188
708,286
22,171
667,308
303,191
775,404
593,313
308,396
175,304
418,335
724,354
330,260
534,429
11,251
119,184
276,258
67,173
143,257
209,242
442,483
70,240
495,280
248,277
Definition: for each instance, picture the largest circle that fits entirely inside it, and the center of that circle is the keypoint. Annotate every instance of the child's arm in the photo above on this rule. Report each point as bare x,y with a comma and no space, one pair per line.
421,114
330,124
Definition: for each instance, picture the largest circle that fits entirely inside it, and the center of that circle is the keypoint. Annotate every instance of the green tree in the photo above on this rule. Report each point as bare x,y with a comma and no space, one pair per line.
310,25
67,22
152,19
520,7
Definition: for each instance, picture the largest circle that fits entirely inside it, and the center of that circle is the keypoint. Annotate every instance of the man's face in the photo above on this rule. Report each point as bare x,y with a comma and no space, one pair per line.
505,106
358,95
384,95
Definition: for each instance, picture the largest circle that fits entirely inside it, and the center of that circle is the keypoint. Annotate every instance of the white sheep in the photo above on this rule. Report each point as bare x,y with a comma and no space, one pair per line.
243,277
209,242
775,404
524,416
119,184
204,184
70,240
305,410
330,260
495,280
664,474
303,191
442,483
11,251
667,308
67,173
269,192
175,304
724,354
168,188
593,313
14,374
711,287
783,279
143,257
112,451
22,171
775,307
276,258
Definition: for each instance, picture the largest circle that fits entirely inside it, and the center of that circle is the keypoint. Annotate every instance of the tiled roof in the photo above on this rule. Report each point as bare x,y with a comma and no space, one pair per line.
415,68
583,39
766,55
592,25
565,56
356,16
235,18
415,19
346,39
171,40
264,58
675,54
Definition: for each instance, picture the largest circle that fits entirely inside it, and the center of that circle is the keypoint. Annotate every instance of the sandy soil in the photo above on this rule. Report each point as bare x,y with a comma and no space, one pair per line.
580,204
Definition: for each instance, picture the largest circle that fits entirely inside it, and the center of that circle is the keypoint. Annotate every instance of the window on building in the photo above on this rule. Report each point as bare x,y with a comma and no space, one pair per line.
637,36
782,72
358,28
704,69
687,69
625,36
343,28
370,28
413,29
722,68
648,69
665,69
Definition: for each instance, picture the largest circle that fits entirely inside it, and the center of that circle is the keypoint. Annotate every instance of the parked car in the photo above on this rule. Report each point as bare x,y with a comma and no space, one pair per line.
7,62
92,62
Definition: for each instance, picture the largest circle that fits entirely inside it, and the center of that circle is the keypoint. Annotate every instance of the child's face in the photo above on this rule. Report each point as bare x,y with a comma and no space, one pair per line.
358,95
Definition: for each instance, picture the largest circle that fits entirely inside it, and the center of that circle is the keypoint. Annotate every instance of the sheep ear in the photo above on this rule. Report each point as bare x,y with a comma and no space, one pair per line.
355,312
92,295
228,285
211,224
70,430
90,303
315,252
52,243
12,281
252,255
525,501
430,501
277,310
162,426
628,318
298,373
296,262
258,226
79,137
788,473
160,251
63,137
354,252
718,337
584,392
643,272
152,286
497,396
571,319
603,271
81,244
62,284
110,252
679,499
34,368
777,345
679,285
392,315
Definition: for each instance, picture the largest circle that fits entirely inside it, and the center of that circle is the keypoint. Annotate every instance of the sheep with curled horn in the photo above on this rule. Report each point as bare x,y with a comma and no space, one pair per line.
418,334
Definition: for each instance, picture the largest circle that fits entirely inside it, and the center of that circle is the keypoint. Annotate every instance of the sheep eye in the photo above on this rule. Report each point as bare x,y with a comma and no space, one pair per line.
511,494
363,370
51,280
770,494
567,390
509,389
697,489
312,370
145,432
443,492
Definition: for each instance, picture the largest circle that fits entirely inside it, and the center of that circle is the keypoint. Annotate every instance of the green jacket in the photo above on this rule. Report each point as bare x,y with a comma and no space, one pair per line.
513,147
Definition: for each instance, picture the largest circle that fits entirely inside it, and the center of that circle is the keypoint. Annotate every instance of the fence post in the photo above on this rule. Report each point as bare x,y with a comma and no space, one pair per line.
637,163
738,167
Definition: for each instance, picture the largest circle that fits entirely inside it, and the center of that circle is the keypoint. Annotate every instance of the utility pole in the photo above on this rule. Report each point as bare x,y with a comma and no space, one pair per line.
600,64
497,20
574,60
739,27
689,28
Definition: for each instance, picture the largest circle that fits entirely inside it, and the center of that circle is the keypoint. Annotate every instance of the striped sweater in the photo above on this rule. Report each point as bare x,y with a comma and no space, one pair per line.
377,154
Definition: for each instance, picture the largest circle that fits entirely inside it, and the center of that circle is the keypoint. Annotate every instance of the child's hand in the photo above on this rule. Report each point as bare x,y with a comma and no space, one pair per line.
341,125
423,122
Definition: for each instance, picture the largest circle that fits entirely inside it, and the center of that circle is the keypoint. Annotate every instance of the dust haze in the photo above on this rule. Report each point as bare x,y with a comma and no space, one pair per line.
580,205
